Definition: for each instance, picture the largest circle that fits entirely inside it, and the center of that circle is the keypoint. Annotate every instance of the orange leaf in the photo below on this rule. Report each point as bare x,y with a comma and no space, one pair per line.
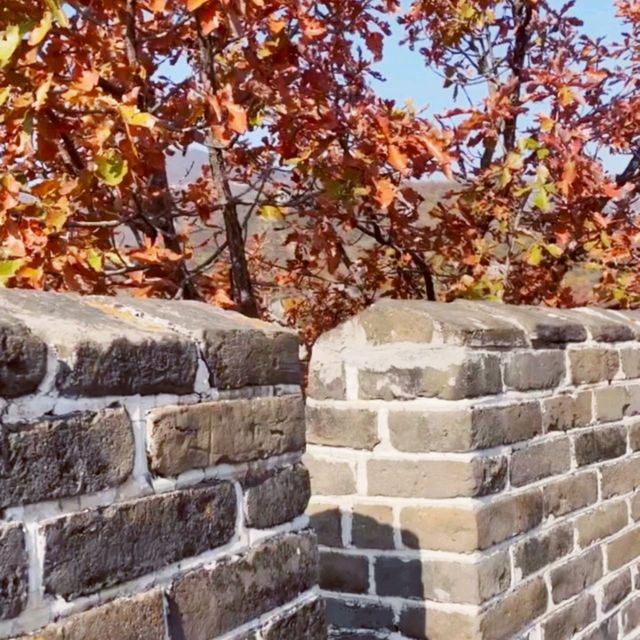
158,5
237,117
192,5
397,159
385,192
439,153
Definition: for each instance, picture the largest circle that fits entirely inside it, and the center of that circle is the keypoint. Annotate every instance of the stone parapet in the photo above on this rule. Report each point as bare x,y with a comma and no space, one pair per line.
475,472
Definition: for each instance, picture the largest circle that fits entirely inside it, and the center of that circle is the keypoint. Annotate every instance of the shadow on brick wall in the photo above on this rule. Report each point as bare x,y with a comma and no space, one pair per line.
373,586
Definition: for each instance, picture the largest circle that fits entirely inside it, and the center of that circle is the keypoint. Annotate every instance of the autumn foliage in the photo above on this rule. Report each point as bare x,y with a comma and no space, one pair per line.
96,95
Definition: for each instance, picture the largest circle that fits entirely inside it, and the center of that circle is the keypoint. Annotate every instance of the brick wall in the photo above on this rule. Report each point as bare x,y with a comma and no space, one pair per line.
150,477
474,473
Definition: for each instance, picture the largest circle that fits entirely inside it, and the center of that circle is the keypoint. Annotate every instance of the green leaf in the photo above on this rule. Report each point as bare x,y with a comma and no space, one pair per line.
271,212
554,250
112,167
9,41
8,269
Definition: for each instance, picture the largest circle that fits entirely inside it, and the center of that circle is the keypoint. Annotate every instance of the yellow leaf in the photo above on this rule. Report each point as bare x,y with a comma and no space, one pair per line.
58,13
514,161
57,215
566,96
271,212
136,118
4,95
605,239
9,41
8,269
541,200
553,250
41,31
547,124
534,257
466,11
42,92
94,259
112,167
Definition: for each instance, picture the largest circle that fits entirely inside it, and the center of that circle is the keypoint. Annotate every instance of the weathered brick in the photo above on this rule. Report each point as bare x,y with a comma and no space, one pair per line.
329,478
342,572
630,615
603,325
238,351
134,618
635,506
616,590
590,365
203,435
568,621
570,494
630,361
564,412
465,429
358,614
67,456
372,527
611,403
461,374
89,551
307,622
467,530
23,359
620,477
538,461
399,577
326,379
14,563
601,523
352,428
280,497
600,444
576,575
608,630
534,370
417,321
515,611
207,603
326,520
505,424
103,350
430,623
506,517
633,390
623,549
436,478
536,552
417,431
634,436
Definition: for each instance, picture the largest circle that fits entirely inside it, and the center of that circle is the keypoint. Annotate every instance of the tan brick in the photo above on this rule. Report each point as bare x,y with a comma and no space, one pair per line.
634,436
568,621
372,527
633,388
439,528
616,590
505,424
564,412
630,615
623,549
601,523
515,611
344,572
534,370
329,478
417,431
635,506
630,361
353,428
461,374
590,365
506,517
436,478
570,494
611,403
326,520
443,580
608,630
538,461
418,621
203,435
536,552
576,575
600,444
620,477
125,619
